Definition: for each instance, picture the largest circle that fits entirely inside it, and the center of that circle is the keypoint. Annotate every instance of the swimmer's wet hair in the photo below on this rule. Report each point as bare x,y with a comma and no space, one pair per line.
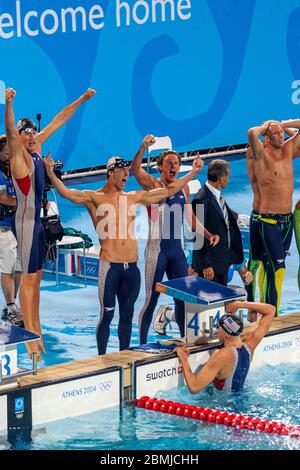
164,154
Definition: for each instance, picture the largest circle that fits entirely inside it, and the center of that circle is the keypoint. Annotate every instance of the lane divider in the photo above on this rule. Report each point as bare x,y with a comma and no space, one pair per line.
217,416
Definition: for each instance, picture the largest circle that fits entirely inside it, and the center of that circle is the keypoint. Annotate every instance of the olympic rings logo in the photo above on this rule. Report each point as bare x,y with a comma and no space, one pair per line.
297,341
105,386
91,269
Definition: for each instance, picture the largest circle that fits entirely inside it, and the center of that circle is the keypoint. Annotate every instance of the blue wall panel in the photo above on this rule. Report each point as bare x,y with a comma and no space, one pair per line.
201,71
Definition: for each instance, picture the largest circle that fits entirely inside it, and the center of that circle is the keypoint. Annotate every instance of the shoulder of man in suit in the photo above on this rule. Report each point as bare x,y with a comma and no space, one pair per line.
198,197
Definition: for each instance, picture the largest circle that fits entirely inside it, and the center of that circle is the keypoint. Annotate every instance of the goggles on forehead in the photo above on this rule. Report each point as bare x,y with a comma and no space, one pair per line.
26,123
28,130
117,163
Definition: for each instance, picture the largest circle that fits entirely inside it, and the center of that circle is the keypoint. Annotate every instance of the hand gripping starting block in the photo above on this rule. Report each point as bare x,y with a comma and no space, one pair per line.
10,336
204,302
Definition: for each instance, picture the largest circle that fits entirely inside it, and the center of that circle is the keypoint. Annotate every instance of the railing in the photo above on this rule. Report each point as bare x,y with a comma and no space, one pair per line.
99,172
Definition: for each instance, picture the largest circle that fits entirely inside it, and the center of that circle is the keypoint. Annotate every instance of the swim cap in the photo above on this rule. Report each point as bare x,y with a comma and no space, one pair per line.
232,324
26,123
117,162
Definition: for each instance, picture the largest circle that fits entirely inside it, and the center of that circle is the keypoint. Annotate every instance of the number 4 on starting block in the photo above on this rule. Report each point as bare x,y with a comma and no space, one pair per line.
197,323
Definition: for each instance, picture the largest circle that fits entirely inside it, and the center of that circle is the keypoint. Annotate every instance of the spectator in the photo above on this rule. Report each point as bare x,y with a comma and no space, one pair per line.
212,262
9,268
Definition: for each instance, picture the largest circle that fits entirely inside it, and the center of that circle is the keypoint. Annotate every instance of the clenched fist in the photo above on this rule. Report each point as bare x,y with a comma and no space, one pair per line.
88,94
148,140
9,94
198,164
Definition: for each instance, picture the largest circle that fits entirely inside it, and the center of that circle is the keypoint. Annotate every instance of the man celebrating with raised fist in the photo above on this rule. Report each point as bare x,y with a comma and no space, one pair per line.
28,172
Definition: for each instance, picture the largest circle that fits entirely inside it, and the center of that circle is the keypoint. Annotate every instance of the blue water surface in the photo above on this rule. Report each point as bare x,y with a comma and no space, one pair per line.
69,315
271,393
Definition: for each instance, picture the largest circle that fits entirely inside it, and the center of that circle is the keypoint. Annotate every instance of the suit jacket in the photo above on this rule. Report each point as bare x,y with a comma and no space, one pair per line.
219,257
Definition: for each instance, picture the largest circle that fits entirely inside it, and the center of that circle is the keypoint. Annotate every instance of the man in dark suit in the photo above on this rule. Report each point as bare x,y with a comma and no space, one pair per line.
212,262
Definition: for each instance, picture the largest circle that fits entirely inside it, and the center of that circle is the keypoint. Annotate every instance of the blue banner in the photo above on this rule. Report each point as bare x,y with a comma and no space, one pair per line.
200,71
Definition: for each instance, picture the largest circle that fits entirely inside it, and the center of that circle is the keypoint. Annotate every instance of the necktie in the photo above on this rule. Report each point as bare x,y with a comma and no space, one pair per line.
225,213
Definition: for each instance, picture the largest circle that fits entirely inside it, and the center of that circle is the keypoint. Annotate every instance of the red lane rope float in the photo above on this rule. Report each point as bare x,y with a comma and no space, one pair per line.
217,416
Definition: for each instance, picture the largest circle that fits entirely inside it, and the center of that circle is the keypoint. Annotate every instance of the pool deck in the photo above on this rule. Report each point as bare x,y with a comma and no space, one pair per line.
126,359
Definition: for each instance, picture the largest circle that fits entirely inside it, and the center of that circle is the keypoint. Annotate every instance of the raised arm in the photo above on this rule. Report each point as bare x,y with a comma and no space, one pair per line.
74,195
267,312
156,195
295,136
61,118
145,180
180,183
250,166
153,196
256,145
200,380
13,139
290,132
19,163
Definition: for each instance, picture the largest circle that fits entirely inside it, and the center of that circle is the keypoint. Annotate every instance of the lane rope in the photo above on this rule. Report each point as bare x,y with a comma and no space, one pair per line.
217,416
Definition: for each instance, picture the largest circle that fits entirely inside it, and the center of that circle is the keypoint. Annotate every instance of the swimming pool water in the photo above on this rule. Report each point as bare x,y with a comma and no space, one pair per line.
270,393
69,315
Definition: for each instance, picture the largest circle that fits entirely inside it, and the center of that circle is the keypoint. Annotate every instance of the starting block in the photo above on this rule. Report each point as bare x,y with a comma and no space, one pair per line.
204,302
10,337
